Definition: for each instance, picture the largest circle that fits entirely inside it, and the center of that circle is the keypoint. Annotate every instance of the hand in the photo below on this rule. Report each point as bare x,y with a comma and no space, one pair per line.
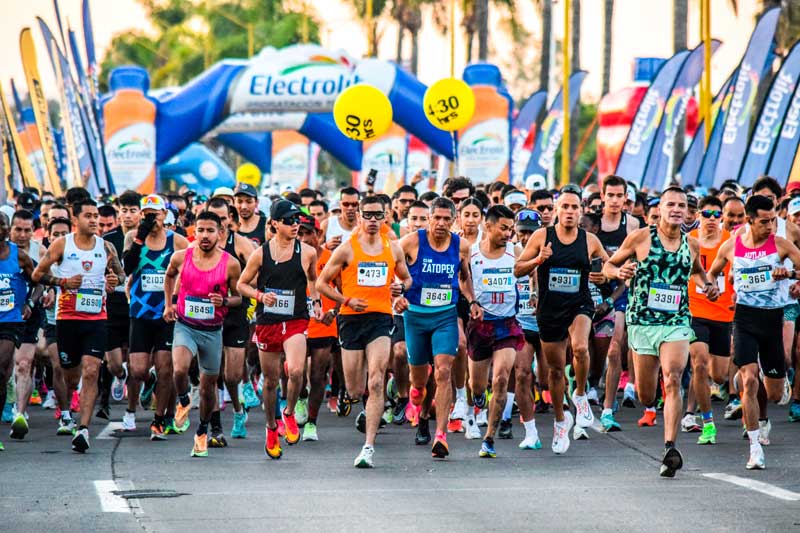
602,310
74,282
476,312
400,304
396,289
333,243
26,312
216,299
597,278
48,299
145,227
545,253
169,313
357,304
318,314
780,273
269,299
111,281
794,291
712,292
328,318
627,271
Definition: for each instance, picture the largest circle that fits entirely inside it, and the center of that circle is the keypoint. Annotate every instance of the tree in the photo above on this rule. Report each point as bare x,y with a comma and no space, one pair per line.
680,18
547,30
608,27
361,11
482,21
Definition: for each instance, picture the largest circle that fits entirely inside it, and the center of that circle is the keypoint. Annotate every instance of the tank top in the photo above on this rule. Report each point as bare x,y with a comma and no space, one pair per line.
660,287
564,277
258,235
700,306
88,302
368,278
194,306
235,314
13,289
318,330
785,284
435,276
752,275
612,240
494,282
288,281
335,229
526,312
147,282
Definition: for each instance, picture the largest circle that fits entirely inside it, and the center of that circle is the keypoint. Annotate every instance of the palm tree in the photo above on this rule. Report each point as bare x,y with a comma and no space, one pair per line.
608,25
482,20
361,11
680,17
547,30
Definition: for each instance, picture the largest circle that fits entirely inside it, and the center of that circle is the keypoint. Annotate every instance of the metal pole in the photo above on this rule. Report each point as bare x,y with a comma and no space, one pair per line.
251,41
705,93
565,93
452,38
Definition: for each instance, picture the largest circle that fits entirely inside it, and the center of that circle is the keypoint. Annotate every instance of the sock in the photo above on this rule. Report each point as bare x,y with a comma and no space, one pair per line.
530,428
753,436
240,411
629,388
312,420
470,414
509,406
184,399
795,402
158,420
461,394
669,444
65,415
606,412
216,422
441,435
650,409
202,429
127,411
708,418
82,427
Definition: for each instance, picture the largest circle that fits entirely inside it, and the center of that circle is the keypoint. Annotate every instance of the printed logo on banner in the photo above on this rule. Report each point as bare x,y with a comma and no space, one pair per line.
647,119
744,96
674,110
769,123
131,154
290,165
483,150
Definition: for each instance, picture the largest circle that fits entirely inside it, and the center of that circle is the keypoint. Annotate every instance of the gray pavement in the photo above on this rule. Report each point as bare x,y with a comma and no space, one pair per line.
609,482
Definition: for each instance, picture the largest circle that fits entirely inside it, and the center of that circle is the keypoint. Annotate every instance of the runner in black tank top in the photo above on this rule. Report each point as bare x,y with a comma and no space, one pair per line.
613,239
564,283
259,234
288,281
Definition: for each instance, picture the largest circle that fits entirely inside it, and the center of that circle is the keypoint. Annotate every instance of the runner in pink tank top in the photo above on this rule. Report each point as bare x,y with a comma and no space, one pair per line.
194,305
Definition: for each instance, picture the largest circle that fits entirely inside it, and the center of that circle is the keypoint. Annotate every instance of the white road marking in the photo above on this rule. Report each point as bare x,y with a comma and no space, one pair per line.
108,431
110,502
758,486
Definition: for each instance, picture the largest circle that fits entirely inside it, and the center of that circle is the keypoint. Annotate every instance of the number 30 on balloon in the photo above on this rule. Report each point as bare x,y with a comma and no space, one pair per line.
449,104
362,112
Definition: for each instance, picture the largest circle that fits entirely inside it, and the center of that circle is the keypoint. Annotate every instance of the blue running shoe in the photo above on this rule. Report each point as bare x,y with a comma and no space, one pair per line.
239,430
250,397
794,412
609,424
8,413
487,449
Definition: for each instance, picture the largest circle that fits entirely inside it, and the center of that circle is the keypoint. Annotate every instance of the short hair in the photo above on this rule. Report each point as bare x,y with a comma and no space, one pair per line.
293,197
308,193
233,214
217,203
76,194
594,219
317,203
592,197
406,189
756,203
429,196
641,199
59,205
419,204
59,220
709,200
107,211
22,214
78,206
457,184
767,182
614,181
730,199
498,211
371,199
385,199
129,198
541,194
210,215
481,195
674,188
444,203
496,186
349,191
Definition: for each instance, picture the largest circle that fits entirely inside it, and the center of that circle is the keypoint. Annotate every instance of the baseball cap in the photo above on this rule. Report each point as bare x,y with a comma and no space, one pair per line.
335,206
794,206
245,189
27,201
169,220
528,219
515,197
691,200
222,191
283,209
535,182
309,222
153,201
790,188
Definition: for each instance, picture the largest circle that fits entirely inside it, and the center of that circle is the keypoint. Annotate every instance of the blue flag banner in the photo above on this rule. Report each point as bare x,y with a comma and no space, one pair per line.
526,120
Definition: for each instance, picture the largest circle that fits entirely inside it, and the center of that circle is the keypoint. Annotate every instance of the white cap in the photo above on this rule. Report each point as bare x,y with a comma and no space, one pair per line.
794,205
515,197
8,211
631,194
169,220
535,182
223,191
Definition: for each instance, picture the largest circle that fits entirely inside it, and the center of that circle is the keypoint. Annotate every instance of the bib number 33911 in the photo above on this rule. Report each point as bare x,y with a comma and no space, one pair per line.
664,298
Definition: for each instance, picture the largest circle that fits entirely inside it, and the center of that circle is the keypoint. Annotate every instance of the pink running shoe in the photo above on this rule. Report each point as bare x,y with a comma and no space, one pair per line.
75,404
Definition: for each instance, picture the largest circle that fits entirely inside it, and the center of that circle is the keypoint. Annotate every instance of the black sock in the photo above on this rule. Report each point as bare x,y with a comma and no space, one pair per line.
402,401
312,420
795,402
669,444
82,427
202,429
184,399
129,411
733,396
216,421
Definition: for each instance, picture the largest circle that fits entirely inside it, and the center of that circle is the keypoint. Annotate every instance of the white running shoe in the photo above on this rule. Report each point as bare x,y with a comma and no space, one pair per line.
364,459
764,427
584,417
128,421
592,396
50,400
531,442
472,430
227,395
756,460
459,410
787,392
561,434
578,433
689,423
482,418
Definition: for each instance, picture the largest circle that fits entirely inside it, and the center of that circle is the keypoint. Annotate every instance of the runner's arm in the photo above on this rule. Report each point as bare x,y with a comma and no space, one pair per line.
247,279
310,262
401,268
179,241
721,260
465,273
234,271
170,278
41,273
529,259
26,267
788,250
114,264
331,271
612,267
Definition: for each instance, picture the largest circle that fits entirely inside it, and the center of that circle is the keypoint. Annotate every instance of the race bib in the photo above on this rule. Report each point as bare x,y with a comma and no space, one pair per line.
566,280
6,300
757,279
199,308
664,298
436,295
284,302
89,301
497,280
720,285
372,273
310,305
597,297
153,280
526,307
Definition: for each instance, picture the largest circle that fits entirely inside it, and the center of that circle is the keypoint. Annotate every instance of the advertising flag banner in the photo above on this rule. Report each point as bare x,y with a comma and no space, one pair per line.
522,128
290,159
28,175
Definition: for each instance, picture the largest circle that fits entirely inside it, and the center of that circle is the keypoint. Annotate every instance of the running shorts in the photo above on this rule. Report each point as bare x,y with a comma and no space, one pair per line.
235,328
206,345
714,333
357,331
30,330
429,334
556,328
647,340
758,335
77,338
484,337
11,331
147,336
791,312
270,337
399,334
117,331
320,342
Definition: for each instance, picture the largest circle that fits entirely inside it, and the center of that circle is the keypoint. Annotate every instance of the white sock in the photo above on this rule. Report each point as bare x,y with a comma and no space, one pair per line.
240,411
509,406
651,409
629,388
530,429
461,394
606,412
753,436
470,413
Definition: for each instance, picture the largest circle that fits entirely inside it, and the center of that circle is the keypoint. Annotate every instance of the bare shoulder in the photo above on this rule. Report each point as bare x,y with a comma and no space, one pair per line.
633,224
181,242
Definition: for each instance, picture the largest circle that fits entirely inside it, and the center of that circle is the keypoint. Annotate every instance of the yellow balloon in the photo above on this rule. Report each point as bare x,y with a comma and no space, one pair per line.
362,112
248,173
449,104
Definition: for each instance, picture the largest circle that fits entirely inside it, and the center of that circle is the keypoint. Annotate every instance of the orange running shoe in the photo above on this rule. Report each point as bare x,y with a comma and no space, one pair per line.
455,426
200,448
182,416
292,431
412,415
648,419
332,402
272,447
281,427
35,398
546,397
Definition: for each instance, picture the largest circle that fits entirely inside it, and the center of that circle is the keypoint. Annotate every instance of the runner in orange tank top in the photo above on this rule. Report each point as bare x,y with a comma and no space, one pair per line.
368,264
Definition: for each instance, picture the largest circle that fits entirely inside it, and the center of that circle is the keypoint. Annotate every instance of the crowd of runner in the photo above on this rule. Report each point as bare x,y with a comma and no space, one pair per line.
471,308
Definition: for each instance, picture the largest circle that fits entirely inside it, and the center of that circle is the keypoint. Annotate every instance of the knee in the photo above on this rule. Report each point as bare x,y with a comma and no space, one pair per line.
580,349
375,384
500,381
700,369
90,372
23,367
749,383
164,368
138,370
296,374
556,373
672,381
442,375
524,375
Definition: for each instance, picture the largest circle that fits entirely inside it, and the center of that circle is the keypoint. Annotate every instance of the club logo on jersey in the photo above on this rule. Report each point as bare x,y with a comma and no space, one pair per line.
87,265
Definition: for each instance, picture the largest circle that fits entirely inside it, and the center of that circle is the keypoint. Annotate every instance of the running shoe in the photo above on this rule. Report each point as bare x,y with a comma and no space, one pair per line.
480,401
301,411
118,389
249,395
473,431
505,431
578,433
75,403
609,423
343,405
35,398
561,434
239,430
8,413
80,442
756,459
361,422
292,431
386,417
200,448
455,426
157,431
332,404
671,462
217,439
19,428
482,418
66,426
50,401
103,412
487,449
128,421
399,412
593,397
364,459
182,416
733,411
412,415
2,448
146,394
391,389
787,392
648,419
310,432
194,397
794,412
423,435
440,449
459,411
709,435
764,427
272,446
689,424
583,411
417,396
629,397
169,427
281,427
531,442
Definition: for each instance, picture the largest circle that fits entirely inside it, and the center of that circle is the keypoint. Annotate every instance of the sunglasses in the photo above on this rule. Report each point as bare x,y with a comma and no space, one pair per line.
373,215
290,221
544,208
528,215
406,200
349,204
458,199
571,188
708,213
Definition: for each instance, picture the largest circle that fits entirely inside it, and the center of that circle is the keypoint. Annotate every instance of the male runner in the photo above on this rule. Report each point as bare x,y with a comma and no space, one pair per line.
758,256
658,317
542,202
81,261
206,277
147,255
732,213
337,229
367,263
251,223
438,261
282,273
566,259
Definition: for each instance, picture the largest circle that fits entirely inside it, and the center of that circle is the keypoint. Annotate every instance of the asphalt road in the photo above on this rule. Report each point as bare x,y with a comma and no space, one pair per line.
609,482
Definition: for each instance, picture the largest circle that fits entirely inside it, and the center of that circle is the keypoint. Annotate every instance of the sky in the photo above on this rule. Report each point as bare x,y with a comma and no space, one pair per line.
642,28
